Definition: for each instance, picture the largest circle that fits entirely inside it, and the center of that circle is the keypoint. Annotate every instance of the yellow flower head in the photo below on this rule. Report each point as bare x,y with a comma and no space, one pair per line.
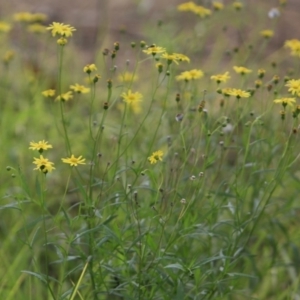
89,68
202,11
153,50
189,75
61,29
132,98
241,70
267,33
127,77
73,161
155,157
294,86
237,5
64,97
261,73
285,101
40,146
36,28
29,17
217,5
5,27
43,164
8,56
48,93
80,89
239,93
187,6
294,46
175,57
220,77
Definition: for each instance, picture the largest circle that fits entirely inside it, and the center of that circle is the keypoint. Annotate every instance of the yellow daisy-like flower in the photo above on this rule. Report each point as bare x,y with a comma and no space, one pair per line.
153,50
43,164
64,97
187,6
261,73
5,27
127,77
155,157
74,161
23,17
61,29
8,56
40,146
132,98
190,75
294,86
89,68
202,11
175,57
242,70
226,92
220,77
294,46
237,5
267,33
239,93
48,93
80,89
217,5
36,28
285,101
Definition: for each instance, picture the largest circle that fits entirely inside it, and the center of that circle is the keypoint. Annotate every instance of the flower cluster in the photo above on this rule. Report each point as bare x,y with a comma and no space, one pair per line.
44,165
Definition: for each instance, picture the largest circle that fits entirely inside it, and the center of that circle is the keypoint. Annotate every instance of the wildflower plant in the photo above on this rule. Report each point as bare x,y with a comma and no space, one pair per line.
172,167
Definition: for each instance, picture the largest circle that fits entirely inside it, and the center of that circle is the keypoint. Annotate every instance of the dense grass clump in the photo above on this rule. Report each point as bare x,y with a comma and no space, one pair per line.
162,169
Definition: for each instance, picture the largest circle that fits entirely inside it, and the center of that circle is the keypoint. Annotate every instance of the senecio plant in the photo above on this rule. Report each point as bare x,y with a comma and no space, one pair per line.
159,169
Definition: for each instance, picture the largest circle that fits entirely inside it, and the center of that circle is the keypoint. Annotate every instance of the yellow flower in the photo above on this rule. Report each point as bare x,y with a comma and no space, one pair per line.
175,57
155,157
237,5
132,98
36,28
267,33
258,83
64,97
202,11
285,101
261,73
73,161
294,86
61,29
80,89
62,41
239,93
89,68
5,27
154,50
189,75
294,46
242,70
187,6
221,77
8,56
43,164
127,77
48,93
40,146
217,5
29,17
226,91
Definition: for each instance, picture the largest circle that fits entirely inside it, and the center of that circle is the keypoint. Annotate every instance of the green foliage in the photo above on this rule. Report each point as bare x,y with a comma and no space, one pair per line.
162,182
